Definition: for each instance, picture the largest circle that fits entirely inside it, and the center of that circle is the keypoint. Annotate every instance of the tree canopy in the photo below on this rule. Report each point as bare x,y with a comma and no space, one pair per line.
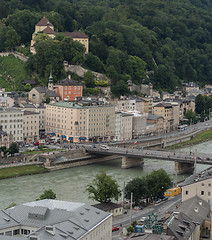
103,188
47,194
152,185
127,38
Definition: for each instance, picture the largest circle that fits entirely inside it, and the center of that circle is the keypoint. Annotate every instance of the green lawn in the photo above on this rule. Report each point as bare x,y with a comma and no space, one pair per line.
12,73
204,136
21,171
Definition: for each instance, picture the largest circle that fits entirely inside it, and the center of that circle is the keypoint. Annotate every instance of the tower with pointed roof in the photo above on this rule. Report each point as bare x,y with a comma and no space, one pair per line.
45,26
50,83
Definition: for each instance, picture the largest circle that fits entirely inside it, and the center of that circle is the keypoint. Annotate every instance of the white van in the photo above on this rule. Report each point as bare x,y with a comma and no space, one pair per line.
105,147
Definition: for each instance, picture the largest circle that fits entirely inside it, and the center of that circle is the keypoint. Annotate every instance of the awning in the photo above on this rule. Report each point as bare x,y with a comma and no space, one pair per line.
82,138
63,136
70,138
53,134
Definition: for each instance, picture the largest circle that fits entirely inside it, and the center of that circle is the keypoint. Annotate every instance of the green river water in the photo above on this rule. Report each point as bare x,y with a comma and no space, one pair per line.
70,184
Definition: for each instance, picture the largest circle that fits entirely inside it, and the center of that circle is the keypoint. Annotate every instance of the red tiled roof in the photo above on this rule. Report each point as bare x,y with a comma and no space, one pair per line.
76,34
48,30
44,22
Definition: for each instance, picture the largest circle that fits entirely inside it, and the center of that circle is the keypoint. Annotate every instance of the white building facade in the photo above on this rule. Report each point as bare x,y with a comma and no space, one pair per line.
12,123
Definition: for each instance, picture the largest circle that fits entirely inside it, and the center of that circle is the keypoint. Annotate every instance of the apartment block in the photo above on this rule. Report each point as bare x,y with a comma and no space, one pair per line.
30,126
80,121
12,123
170,114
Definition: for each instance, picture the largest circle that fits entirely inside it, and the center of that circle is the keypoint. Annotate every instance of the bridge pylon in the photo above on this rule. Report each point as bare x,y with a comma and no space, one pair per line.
129,162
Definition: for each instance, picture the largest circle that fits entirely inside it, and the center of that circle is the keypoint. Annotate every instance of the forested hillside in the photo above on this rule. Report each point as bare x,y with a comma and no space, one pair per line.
169,40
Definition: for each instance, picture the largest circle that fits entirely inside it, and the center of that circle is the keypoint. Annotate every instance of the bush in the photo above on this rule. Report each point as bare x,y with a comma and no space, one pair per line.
130,229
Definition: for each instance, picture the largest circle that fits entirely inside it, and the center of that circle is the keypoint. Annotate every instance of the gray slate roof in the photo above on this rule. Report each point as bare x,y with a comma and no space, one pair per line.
153,117
41,89
107,206
202,208
181,227
205,174
70,220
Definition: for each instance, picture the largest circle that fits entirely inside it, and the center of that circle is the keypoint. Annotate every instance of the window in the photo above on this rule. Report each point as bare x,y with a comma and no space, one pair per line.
186,192
203,184
202,192
209,193
16,232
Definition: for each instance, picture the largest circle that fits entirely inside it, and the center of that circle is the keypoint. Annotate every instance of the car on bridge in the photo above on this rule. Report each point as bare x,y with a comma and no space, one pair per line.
105,147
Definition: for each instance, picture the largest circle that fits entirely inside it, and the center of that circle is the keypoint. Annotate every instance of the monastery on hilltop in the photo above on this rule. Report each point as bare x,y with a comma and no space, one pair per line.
47,27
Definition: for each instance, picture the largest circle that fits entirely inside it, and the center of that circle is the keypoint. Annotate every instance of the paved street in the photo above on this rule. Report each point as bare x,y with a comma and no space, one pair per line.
158,209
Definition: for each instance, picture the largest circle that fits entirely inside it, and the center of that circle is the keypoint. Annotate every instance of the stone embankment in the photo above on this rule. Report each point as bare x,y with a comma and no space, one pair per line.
18,55
80,71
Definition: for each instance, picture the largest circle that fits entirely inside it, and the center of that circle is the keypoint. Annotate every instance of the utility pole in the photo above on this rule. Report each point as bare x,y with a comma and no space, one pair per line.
123,194
195,164
131,208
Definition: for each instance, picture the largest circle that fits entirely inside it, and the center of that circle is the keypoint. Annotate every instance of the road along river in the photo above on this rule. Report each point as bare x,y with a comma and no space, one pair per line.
70,184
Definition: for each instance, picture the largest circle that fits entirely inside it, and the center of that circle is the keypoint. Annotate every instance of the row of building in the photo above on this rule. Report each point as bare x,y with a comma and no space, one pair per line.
87,119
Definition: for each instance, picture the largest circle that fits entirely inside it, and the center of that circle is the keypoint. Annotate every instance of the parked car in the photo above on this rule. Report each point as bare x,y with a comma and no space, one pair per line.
36,143
142,220
115,229
105,147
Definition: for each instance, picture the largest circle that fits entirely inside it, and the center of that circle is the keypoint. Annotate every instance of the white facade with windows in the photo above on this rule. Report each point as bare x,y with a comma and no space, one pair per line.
30,126
199,185
12,123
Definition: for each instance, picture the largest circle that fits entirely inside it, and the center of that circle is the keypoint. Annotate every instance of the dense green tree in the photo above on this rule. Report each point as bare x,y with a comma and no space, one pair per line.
191,116
12,40
47,194
23,22
135,67
174,40
94,63
157,183
13,148
139,189
103,188
120,89
4,150
89,79
200,104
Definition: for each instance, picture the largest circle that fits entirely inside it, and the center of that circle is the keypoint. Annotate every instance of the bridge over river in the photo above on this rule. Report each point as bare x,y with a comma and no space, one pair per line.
184,162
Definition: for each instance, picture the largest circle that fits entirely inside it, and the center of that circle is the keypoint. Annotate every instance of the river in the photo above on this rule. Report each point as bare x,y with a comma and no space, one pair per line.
70,184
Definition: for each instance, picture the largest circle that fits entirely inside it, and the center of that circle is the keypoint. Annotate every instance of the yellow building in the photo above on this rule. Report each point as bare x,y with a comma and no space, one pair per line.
45,26
42,26
166,110
80,37
80,122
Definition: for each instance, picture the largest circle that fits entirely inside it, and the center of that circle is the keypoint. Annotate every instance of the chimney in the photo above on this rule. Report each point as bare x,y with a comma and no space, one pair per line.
176,215
200,203
196,210
69,76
